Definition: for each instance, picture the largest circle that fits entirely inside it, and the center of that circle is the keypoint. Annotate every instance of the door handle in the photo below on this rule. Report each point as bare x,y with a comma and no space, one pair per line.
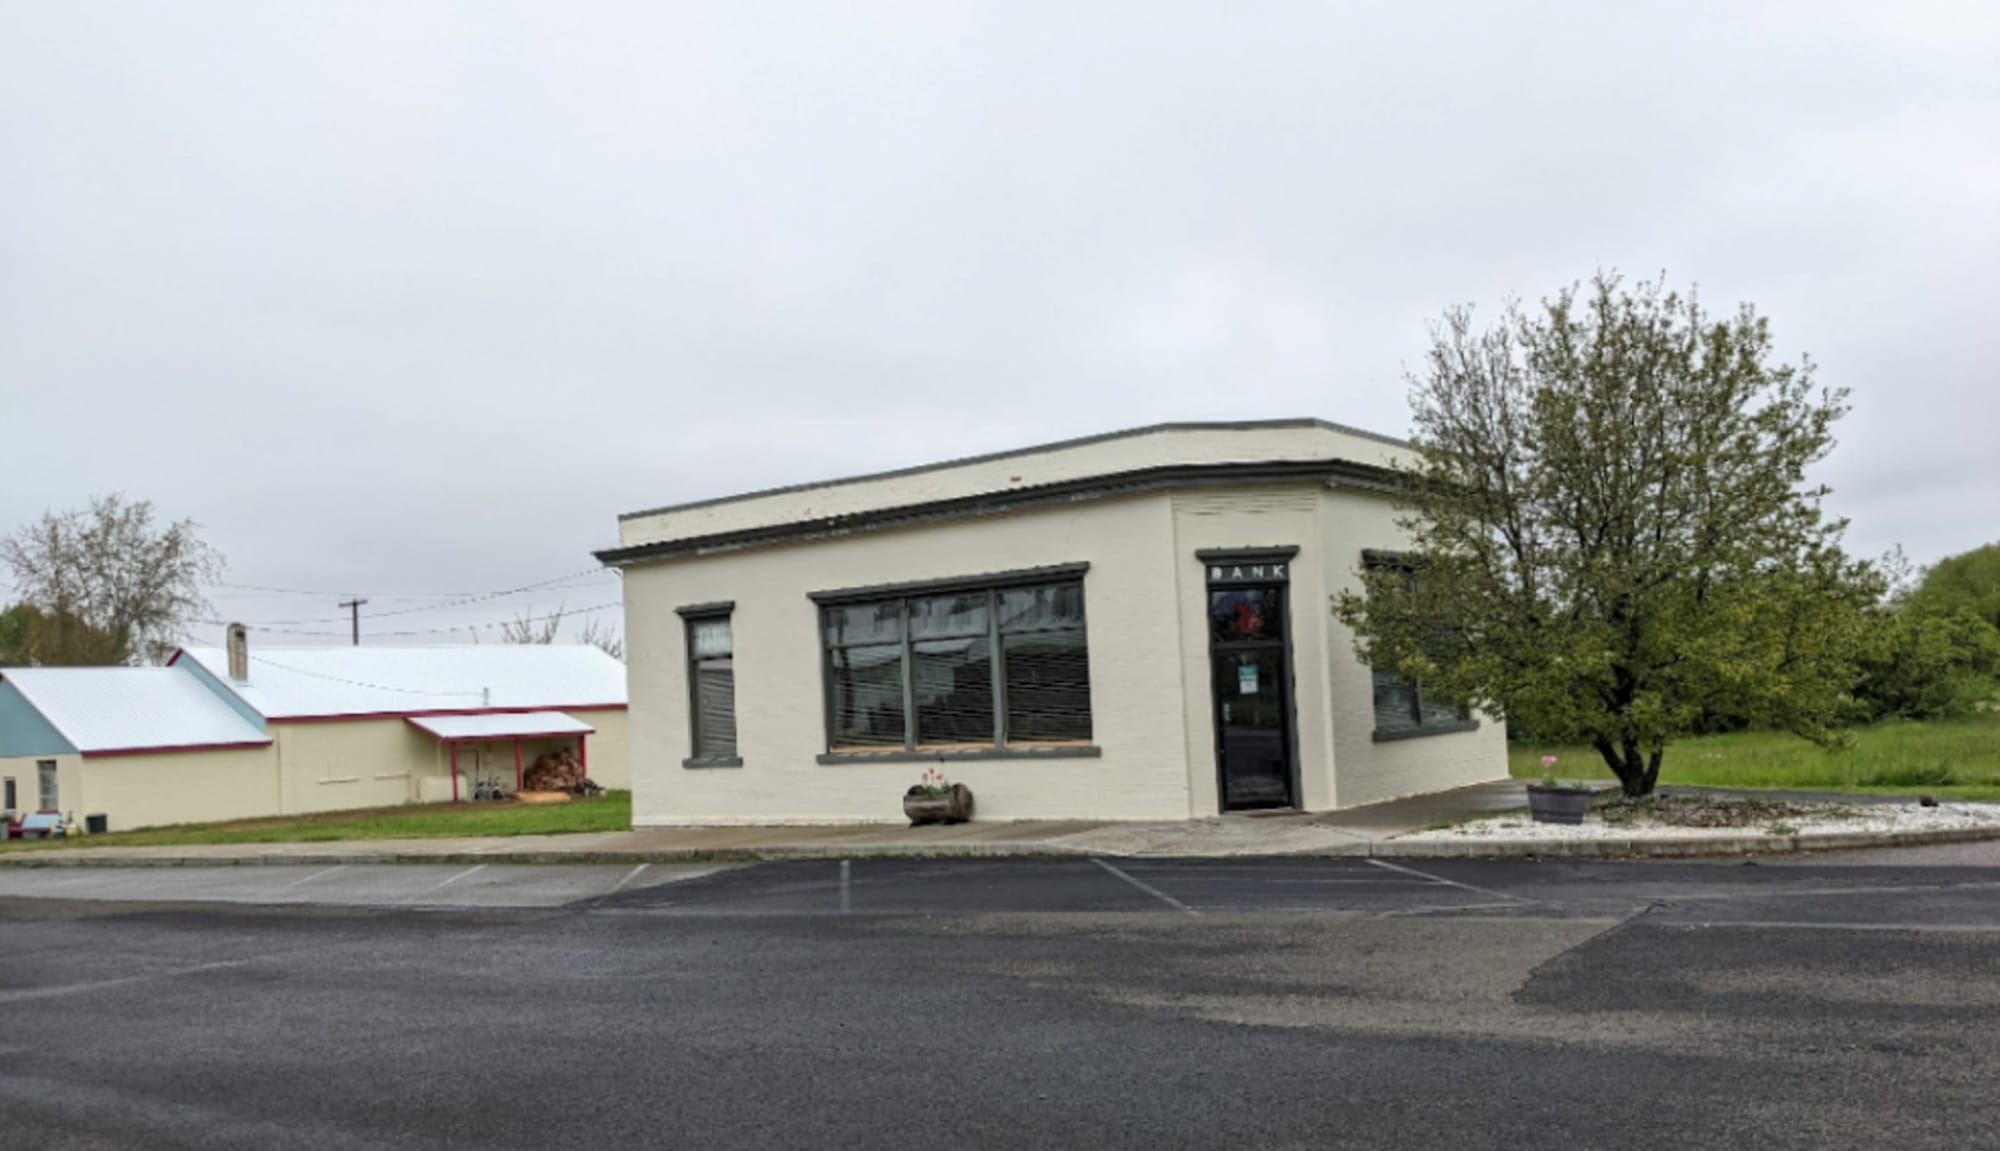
1225,713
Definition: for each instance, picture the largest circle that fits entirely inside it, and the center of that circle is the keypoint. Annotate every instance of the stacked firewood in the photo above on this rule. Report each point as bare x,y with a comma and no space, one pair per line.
556,771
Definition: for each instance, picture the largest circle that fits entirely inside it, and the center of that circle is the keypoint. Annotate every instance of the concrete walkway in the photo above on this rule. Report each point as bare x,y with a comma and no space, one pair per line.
1360,832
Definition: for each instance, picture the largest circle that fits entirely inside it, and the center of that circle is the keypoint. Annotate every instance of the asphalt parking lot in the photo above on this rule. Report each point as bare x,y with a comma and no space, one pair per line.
1004,1003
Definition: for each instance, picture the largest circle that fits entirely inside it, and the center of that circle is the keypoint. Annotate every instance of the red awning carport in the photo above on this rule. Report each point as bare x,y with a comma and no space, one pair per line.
499,727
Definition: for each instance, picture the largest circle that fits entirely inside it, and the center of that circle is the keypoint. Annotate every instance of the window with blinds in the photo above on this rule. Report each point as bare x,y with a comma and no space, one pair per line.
712,680
977,670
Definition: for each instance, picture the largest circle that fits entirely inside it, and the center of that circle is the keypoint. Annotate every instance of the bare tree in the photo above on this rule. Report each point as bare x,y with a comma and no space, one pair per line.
605,638
531,628
528,628
109,585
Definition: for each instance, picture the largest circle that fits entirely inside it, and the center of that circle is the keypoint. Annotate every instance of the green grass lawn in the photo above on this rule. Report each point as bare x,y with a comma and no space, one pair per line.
1959,759
611,811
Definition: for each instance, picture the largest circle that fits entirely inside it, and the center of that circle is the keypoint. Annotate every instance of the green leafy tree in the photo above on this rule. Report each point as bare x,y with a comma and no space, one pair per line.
1929,663
1612,536
109,584
31,637
14,625
1970,580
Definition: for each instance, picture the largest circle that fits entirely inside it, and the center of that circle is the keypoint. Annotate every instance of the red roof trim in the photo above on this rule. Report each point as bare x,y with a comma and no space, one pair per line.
508,737
98,752
445,711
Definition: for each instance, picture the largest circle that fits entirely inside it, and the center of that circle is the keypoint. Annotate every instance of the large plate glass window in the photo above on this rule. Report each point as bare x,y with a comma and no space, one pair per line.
969,669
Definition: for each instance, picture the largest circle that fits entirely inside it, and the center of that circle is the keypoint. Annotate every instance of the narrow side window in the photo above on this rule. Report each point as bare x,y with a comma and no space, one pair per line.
712,684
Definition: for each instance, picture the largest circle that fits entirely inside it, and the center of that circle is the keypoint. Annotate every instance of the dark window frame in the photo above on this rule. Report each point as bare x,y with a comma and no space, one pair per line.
991,587
691,617
11,794
1419,726
1270,569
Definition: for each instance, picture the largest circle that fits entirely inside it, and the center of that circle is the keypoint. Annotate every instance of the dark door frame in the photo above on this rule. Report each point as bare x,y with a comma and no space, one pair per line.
1229,564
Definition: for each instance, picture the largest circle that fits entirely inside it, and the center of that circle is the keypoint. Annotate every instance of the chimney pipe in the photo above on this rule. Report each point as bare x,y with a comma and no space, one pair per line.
239,653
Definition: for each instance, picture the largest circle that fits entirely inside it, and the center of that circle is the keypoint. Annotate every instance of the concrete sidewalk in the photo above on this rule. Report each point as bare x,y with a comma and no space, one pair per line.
1362,832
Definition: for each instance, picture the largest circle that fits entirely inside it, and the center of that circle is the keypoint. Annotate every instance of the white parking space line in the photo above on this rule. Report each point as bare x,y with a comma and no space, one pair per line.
1486,891
1148,888
301,882
846,895
1811,925
1446,909
101,984
629,877
1257,881
437,887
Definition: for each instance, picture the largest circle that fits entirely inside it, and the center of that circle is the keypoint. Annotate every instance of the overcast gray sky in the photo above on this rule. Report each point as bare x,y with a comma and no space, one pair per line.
415,298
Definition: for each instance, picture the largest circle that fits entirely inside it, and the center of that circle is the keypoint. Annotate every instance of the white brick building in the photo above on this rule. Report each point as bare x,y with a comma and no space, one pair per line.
1130,626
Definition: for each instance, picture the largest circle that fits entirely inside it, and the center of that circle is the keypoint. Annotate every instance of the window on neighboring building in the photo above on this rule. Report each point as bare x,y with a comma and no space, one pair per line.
8,801
1401,705
45,778
712,687
959,670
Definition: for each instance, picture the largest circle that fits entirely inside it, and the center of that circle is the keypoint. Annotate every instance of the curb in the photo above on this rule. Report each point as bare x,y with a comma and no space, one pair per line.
55,858
1687,848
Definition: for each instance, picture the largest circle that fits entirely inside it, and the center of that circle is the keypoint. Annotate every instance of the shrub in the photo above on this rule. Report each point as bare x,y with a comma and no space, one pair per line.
1928,663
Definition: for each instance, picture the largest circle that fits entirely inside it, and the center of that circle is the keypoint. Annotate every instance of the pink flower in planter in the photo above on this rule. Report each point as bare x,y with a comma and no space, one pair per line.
1548,761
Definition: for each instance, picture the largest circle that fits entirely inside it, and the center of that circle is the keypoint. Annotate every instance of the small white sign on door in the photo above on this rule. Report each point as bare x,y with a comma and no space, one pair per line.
1246,679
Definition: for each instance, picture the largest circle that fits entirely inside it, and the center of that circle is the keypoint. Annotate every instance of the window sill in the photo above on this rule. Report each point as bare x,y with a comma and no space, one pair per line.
700,761
1080,751
1391,735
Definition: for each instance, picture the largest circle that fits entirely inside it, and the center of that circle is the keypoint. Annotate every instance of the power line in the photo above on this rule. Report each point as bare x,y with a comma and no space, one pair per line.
253,590
356,682
444,605
563,613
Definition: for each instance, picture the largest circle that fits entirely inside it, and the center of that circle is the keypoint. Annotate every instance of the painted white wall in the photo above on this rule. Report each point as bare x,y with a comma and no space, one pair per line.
1146,597
1130,595
1281,515
1352,520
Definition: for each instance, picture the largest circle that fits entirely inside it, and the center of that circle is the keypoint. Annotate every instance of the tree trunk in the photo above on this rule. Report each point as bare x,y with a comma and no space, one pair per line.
1636,775
1653,767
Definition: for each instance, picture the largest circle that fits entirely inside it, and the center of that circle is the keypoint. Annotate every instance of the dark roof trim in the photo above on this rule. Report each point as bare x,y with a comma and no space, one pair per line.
1245,555
707,610
1020,577
1084,441
1378,558
1016,499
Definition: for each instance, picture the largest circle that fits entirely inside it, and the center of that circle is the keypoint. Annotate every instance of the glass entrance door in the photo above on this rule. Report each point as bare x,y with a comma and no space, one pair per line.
1253,697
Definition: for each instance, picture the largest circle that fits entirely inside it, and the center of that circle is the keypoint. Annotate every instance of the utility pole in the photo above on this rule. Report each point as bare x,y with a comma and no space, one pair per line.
355,605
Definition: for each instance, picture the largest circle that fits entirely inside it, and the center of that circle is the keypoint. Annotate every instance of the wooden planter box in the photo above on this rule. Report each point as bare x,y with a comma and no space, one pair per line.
1558,804
954,806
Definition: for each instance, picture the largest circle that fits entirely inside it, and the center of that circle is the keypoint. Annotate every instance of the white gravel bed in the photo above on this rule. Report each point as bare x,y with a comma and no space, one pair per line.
1836,819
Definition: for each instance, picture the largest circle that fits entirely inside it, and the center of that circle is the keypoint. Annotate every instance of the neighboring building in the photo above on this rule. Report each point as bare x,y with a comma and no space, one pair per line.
1130,626
146,744
299,730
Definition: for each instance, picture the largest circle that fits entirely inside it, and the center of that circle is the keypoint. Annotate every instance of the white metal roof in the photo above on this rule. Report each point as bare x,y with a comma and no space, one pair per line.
512,725
308,682
131,708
